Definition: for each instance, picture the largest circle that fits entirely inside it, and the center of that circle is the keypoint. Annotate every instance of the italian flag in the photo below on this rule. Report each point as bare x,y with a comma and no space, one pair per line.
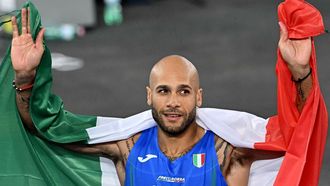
29,160
199,160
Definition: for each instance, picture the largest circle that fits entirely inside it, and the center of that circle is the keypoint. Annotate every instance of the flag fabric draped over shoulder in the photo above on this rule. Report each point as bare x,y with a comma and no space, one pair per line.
30,160
301,135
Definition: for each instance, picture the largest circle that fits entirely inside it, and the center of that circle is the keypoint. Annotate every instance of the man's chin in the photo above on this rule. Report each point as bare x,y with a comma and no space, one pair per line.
171,126
172,129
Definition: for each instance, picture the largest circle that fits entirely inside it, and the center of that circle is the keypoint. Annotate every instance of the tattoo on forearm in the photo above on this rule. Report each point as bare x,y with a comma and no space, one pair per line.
24,101
301,92
22,79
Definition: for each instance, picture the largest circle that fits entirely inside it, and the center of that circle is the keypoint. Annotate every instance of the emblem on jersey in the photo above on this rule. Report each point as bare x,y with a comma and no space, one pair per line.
199,160
148,157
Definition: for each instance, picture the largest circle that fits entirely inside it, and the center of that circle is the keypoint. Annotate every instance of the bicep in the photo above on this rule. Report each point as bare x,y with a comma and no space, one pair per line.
241,160
264,154
233,167
255,154
238,170
237,174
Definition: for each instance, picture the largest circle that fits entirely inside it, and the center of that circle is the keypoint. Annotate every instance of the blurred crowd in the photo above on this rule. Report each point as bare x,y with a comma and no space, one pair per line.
66,27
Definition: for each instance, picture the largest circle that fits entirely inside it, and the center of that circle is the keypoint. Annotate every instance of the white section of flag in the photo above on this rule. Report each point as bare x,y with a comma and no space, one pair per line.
241,129
109,173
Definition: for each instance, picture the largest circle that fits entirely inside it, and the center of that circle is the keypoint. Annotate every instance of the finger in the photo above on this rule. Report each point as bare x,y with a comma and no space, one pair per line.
24,30
283,32
28,20
14,25
40,39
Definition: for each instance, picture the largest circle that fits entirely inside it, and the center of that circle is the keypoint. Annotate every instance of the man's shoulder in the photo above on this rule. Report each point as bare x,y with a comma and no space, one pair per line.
125,146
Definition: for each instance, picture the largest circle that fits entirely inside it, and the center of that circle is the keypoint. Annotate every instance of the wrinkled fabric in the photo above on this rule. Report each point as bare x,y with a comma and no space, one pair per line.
26,159
301,19
301,135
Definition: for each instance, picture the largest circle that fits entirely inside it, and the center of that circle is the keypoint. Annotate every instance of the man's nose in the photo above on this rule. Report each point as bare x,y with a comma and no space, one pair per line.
173,101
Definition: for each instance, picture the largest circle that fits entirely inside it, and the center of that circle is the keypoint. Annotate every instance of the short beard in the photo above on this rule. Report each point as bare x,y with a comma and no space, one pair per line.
174,131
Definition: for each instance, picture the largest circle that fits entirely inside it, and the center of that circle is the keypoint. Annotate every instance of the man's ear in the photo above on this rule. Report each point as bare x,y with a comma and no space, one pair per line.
199,97
149,92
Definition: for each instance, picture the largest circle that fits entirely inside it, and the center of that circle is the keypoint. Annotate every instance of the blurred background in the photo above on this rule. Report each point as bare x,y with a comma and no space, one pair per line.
103,51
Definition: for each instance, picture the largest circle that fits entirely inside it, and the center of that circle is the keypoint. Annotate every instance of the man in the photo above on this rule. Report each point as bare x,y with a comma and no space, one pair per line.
173,93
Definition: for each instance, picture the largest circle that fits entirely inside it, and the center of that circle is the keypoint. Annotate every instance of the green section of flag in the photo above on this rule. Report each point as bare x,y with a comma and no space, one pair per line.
26,159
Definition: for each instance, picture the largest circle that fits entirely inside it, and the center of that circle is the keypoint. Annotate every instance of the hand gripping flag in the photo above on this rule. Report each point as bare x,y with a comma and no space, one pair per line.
301,135
28,160
46,163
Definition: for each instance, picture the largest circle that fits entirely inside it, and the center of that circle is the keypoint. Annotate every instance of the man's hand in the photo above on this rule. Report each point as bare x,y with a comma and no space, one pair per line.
25,54
296,53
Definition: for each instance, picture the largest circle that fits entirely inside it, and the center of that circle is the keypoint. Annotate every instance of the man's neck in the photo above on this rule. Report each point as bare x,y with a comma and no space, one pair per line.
174,146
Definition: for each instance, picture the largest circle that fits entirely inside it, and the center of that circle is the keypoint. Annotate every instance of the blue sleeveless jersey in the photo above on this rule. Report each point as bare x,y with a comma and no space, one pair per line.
148,166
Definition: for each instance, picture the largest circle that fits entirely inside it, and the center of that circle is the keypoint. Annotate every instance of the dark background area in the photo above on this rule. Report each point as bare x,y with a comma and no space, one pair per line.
232,43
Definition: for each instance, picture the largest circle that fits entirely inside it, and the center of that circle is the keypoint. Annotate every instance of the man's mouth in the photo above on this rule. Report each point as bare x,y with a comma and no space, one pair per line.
172,116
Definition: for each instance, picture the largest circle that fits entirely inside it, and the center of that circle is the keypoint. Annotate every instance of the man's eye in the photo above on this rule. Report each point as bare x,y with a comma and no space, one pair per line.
162,91
184,92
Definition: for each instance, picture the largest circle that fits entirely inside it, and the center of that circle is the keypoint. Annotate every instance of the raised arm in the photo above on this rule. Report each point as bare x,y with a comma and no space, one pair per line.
25,55
297,55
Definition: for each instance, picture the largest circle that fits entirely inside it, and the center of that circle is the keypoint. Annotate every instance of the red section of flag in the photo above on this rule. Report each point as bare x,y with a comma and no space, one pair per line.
203,159
301,135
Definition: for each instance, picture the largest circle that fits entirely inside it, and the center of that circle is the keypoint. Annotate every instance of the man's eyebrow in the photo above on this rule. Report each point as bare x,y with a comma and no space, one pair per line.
183,86
162,87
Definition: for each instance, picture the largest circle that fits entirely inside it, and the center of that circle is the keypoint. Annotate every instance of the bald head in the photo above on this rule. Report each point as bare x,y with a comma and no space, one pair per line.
174,88
174,66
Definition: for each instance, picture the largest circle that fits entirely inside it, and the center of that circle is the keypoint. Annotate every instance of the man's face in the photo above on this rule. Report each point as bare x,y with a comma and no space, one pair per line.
173,97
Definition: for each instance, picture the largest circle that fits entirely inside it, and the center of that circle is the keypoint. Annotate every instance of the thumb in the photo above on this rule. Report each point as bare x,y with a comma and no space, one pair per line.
40,38
283,32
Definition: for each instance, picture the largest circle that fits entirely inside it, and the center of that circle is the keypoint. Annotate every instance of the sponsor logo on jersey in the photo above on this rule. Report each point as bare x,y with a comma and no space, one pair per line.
148,157
199,160
171,179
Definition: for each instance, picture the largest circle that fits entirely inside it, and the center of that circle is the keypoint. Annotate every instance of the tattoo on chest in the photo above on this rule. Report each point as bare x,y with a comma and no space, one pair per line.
125,159
174,157
218,146
133,141
224,157
128,146
223,149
